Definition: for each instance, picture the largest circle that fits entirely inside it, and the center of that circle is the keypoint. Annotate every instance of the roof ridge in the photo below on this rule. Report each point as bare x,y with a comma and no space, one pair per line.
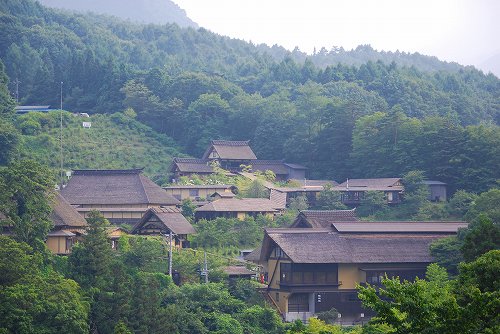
144,189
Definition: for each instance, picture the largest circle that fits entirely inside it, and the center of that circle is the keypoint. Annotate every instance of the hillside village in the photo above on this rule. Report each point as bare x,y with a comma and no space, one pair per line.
310,266
157,177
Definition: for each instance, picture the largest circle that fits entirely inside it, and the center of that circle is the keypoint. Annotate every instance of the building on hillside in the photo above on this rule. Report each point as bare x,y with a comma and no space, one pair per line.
437,190
232,155
69,226
221,194
199,192
188,166
312,270
353,190
162,221
236,272
240,208
27,109
323,218
121,195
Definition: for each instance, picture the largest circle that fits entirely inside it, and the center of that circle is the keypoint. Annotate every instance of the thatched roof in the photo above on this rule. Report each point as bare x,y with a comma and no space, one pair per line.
63,214
239,205
191,165
112,187
323,218
166,219
230,150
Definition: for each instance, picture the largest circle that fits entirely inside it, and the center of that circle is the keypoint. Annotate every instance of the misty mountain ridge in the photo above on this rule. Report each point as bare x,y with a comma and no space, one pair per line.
142,11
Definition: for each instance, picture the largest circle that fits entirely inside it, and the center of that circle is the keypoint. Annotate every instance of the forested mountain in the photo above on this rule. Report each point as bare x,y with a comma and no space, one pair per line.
374,119
143,11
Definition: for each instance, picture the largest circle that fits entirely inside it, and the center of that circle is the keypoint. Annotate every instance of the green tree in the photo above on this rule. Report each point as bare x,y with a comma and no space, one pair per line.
486,203
330,199
447,252
423,306
481,237
299,203
373,202
460,203
24,199
90,259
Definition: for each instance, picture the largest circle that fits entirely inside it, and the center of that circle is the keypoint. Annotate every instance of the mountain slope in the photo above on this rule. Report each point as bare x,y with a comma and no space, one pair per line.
143,11
113,141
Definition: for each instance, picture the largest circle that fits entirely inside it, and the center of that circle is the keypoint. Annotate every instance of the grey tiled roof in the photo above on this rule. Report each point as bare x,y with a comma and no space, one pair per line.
114,187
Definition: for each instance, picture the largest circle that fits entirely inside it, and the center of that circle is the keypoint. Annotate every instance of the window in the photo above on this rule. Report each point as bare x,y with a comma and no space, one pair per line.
194,192
277,297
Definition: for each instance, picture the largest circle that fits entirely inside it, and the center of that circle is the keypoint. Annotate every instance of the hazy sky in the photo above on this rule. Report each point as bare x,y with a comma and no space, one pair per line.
465,31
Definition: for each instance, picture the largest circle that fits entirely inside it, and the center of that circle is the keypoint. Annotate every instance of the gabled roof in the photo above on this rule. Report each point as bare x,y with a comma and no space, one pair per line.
112,187
191,165
323,218
314,183
295,166
380,184
223,194
63,214
239,205
230,149
171,219
359,242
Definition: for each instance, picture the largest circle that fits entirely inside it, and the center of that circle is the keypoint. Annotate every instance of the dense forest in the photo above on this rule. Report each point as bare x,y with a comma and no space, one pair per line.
193,86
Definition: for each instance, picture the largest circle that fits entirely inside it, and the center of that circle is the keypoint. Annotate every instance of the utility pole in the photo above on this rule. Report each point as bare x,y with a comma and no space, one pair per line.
170,256
60,138
17,90
205,266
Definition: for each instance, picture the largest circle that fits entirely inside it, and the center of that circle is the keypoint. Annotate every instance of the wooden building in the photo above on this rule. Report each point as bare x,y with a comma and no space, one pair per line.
121,195
315,269
353,190
69,226
162,221
231,155
284,195
237,208
437,191
199,192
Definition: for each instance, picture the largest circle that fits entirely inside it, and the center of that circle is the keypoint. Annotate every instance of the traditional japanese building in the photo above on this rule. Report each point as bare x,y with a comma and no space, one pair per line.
353,190
163,221
237,208
69,226
315,269
200,192
121,195
231,155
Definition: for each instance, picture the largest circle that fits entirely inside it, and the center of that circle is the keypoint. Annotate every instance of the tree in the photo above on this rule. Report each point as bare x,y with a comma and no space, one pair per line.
415,195
330,199
447,252
6,102
9,139
24,198
299,203
423,306
373,202
487,204
460,203
256,189
90,259
481,237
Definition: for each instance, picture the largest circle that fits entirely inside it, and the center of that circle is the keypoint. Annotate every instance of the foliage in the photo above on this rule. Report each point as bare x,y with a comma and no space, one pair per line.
460,203
256,189
447,252
373,202
486,203
329,316
90,259
299,203
35,299
24,199
329,199
483,235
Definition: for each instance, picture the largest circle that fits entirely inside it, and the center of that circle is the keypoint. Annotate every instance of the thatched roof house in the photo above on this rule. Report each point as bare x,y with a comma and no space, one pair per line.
323,218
